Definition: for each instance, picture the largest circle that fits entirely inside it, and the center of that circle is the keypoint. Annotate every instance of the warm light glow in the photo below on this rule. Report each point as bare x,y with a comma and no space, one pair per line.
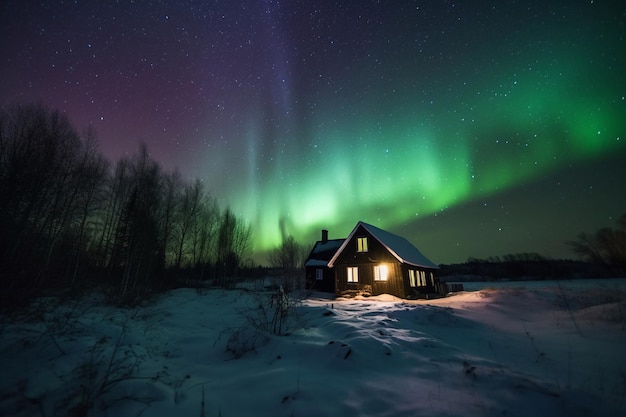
353,274
361,244
381,272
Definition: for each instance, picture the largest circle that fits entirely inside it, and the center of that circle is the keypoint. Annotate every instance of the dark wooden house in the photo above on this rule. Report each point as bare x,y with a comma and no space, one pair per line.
373,261
318,275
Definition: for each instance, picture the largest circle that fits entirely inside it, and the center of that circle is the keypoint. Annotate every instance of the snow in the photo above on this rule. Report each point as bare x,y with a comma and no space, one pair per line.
515,349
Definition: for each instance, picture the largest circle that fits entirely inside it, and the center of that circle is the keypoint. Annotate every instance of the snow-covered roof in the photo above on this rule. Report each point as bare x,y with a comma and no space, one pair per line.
398,246
315,262
322,252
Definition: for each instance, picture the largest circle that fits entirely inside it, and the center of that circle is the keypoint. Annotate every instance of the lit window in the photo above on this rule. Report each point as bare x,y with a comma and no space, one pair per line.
319,274
353,274
361,244
380,273
417,278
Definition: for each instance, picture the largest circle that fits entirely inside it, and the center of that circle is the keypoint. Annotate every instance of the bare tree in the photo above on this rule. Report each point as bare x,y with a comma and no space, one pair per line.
189,210
90,178
136,247
289,255
65,211
204,235
48,177
233,243
242,239
172,184
289,259
605,246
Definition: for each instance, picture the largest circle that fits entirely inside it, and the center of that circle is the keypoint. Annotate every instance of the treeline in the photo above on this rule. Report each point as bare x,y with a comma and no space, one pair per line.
607,246
69,219
525,266
602,254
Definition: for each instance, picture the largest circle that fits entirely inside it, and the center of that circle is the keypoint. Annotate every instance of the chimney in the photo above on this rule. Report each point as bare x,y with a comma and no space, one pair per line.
324,236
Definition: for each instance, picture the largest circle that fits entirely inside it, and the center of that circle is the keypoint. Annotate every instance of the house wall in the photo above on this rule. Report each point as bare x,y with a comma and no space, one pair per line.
327,284
394,284
397,283
376,254
432,286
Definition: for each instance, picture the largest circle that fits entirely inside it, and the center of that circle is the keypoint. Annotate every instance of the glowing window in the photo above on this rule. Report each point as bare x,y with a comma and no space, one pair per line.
417,278
361,244
319,274
422,280
353,274
380,273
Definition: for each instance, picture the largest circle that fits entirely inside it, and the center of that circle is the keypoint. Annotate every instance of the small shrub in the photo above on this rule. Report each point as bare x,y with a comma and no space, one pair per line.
101,373
273,313
245,340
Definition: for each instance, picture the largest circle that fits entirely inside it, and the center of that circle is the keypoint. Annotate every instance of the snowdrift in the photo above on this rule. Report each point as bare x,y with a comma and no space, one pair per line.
552,349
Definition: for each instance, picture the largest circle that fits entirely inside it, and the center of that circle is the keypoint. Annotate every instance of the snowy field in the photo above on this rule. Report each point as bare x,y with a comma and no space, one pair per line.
519,349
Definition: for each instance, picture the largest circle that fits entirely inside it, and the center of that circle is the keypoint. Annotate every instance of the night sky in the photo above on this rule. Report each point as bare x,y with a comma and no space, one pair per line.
473,128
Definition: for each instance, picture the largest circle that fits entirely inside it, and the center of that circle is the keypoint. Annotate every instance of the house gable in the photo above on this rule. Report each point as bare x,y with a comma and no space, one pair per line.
400,248
353,252
317,273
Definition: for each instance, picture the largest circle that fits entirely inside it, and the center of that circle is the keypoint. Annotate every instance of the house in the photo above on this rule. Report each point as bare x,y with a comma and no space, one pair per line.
318,275
373,261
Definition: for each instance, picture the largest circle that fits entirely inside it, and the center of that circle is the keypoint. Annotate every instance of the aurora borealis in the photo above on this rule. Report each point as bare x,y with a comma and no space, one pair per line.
472,128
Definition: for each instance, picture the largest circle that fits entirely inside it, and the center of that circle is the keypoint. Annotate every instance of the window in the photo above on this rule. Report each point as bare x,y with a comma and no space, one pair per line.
361,244
319,274
353,274
417,278
380,273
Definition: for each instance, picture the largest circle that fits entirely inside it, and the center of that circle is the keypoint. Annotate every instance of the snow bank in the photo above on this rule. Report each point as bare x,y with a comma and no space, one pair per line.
550,350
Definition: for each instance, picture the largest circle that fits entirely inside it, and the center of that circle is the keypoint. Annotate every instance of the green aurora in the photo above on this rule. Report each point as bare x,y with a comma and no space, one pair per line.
473,128
394,161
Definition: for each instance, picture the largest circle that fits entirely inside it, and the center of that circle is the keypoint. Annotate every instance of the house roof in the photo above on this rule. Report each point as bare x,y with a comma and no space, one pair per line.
398,246
322,252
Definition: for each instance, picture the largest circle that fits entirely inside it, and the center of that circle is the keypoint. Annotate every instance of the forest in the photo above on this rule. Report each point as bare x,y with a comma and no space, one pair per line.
72,220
